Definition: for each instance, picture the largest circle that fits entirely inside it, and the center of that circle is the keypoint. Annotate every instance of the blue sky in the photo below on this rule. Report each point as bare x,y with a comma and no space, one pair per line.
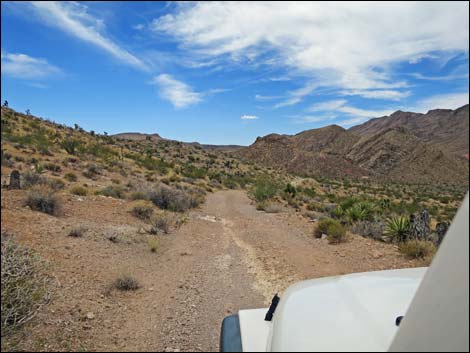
225,73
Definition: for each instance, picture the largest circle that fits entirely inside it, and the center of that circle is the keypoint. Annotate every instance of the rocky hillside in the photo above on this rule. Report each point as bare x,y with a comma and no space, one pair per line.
444,128
388,148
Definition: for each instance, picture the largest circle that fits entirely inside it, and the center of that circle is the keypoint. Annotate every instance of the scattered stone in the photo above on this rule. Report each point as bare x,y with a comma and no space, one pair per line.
90,315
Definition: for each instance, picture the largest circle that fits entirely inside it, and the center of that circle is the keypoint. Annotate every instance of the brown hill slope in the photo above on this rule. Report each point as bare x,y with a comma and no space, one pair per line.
445,128
393,153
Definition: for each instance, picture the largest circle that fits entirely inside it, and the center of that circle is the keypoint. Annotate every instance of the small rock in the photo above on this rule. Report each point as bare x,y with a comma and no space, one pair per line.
90,316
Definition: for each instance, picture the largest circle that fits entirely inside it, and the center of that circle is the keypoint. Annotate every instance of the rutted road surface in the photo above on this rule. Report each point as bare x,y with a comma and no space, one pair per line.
228,256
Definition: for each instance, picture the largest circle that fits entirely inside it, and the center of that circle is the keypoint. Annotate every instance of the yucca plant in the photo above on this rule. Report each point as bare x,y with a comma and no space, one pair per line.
384,204
397,229
338,212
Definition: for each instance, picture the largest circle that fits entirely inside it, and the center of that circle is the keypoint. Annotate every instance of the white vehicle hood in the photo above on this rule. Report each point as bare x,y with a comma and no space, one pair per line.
355,312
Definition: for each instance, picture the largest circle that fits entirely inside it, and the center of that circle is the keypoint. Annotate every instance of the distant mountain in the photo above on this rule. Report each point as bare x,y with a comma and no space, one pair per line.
397,148
137,136
444,128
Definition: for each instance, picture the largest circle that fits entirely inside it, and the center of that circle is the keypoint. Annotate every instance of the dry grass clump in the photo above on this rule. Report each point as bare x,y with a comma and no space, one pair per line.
126,282
77,232
24,286
79,190
417,249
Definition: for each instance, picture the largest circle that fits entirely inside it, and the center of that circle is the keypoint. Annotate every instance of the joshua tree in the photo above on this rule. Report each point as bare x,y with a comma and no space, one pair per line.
28,112
5,104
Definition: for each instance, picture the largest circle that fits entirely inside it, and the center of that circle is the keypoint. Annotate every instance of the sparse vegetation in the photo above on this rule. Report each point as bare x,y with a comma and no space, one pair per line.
154,244
171,199
70,177
142,211
79,191
126,283
24,285
264,189
417,249
335,231
77,232
44,199
113,191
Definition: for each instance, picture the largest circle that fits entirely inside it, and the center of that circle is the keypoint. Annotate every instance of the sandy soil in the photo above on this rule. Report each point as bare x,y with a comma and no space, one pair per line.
227,256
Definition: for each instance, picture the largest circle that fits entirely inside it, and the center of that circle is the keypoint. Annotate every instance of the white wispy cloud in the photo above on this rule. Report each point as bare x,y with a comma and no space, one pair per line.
74,19
313,39
262,98
26,67
327,105
441,101
304,119
378,94
176,92
249,117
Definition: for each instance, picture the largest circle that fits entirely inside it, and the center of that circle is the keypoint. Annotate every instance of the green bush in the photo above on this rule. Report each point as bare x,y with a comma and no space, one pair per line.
264,189
333,229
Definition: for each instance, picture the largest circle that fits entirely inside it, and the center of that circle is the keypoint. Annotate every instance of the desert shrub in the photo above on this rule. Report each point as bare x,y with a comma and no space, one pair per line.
154,244
336,233
31,178
70,177
193,172
397,229
369,229
138,195
161,222
348,202
268,207
264,189
43,199
338,212
91,171
417,249
126,283
171,199
315,206
24,287
329,227
56,184
77,232
142,211
52,167
70,146
112,191
290,189
79,191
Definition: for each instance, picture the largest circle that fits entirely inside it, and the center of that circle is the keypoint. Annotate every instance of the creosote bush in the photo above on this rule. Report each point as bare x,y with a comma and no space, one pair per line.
171,199
44,199
24,286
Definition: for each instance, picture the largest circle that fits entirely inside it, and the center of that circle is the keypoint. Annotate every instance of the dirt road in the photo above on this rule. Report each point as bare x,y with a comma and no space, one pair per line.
227,256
